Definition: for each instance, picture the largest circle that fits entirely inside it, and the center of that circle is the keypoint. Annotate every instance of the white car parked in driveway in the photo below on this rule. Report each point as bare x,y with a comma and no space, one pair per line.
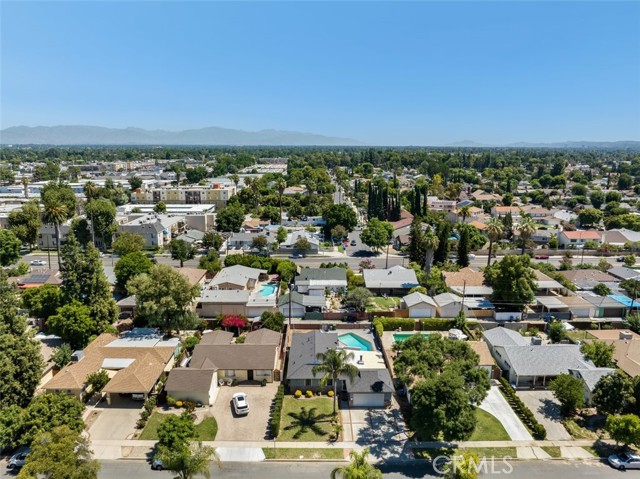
38,262
240,404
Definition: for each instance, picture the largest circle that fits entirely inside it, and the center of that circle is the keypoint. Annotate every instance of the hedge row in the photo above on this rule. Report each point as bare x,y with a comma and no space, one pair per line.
524,413
408,324
436,324
276,413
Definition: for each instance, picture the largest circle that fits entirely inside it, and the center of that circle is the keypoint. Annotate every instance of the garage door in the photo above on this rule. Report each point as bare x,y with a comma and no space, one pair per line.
368,400
420,313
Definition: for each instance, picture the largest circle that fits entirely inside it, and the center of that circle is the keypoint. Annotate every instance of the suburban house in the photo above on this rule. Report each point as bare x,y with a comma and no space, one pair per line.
190,384
605,306
157,230
586,279
626,354
467,282
316,281
486,362
419,305
237,277
449,305
288,245
134,361
39,278
528,362
393,281
590,378
296,305
372,387
249,303
254,360
577,239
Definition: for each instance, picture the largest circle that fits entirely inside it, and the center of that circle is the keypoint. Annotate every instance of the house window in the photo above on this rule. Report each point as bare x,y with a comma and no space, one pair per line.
229,373
330,382
307,382
262,373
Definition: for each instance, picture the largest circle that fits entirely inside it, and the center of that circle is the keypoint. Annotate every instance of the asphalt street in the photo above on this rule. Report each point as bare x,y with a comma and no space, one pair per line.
125,469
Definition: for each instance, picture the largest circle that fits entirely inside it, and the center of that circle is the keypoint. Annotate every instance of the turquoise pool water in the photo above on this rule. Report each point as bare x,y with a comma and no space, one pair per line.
401,337
354,341
268,290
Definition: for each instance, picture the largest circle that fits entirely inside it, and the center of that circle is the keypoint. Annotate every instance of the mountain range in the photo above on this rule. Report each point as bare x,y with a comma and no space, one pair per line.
97,135
621,145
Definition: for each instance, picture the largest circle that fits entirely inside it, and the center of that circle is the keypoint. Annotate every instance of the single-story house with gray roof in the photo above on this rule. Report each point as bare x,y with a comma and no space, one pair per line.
300,304
420,305
190,384
315,281
590,378
393,281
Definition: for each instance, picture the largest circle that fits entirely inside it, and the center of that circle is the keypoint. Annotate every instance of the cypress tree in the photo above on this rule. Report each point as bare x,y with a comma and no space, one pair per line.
463,248
442,253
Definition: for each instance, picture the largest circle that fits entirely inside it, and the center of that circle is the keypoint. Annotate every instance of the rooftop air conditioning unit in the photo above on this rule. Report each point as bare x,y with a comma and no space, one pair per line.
77,356
626,335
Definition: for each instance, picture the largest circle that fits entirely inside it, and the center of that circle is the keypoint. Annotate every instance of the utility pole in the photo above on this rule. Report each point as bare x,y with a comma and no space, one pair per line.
464,290
386,266
49,253
290,294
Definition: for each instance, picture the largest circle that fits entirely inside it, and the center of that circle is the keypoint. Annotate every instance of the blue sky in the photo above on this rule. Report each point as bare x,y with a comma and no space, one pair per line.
420,73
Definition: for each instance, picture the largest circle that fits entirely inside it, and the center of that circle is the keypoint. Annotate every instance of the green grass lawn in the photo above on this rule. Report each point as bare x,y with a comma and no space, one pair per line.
306,453
380,303
205,430
577,335
553,451
577,431
492,451
306,419
488,428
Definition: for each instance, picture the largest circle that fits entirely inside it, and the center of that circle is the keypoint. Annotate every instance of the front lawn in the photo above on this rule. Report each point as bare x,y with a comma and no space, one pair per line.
206,430
303,453
488,428
306,419
380,303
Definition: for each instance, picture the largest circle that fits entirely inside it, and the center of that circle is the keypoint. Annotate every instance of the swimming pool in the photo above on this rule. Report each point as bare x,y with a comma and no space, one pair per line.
354,341
268,290
401,337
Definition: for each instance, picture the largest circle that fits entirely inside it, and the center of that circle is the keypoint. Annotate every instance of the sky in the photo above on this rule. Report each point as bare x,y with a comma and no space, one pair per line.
385,73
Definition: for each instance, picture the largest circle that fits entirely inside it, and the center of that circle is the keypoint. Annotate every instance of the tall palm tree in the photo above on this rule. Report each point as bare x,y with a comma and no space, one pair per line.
55,212
358,468
526,228
333,364
495,230
281,185
189,461
236,179
431,243
25,185
464,213
90,190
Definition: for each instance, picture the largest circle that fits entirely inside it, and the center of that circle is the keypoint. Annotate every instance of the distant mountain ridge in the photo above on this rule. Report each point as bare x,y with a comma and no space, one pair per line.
97,135
624,145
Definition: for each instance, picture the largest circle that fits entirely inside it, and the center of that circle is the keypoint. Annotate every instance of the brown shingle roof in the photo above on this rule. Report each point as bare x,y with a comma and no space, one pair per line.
216,337
482,349
588,275
263,336
189,379
458,278
193,275
234,356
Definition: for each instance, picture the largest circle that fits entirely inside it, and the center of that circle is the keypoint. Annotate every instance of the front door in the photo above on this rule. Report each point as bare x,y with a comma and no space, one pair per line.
250,375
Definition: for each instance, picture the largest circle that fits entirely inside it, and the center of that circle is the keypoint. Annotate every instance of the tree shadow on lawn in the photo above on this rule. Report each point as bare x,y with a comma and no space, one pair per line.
307,420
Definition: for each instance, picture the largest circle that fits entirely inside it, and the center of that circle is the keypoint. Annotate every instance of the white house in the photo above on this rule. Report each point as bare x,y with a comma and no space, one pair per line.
420,305
190,384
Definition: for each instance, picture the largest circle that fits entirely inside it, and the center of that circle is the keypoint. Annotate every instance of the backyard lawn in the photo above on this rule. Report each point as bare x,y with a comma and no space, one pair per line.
488,428
206,430
306,419
578,335
380,303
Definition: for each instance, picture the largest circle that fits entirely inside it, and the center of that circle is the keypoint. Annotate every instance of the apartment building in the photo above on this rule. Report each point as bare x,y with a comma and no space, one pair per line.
214,194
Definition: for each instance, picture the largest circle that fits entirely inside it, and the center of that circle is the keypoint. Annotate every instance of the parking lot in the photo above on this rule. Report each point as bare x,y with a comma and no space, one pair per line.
254,426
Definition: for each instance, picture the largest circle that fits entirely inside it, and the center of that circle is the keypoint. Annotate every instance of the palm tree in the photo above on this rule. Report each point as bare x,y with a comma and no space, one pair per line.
90,190
189,461
281,185
495,229
333,364
464,212
236,179
358,468
431,243
526,227
55,212
25,185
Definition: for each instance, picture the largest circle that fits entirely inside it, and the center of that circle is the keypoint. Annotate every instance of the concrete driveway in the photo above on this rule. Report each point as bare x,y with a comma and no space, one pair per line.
252,427
114,422
496,405
546,409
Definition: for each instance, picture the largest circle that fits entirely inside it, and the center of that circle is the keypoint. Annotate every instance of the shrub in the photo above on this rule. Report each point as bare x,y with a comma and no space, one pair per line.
274,423
377,325
330,394
171,401
297,394
391,324
190,406
178,403
537,430
437,324
309,393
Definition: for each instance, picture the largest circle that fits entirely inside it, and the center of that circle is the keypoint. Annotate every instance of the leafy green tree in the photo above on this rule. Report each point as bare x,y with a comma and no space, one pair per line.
569,392
73,324
11,426
47,411
189,461
597,199
281,235
358,468
443,232
129,266
175,431
358,298
624,429
338,232
513,280
211,262
135,182
212,240
20,359
614,394
97,380
7,176
630,260
601,289
334,364
195,175
259,242
62,356
287,270
230,219
465,466
42,301
26,222
339,215
495,230
102,214
272,321
280,185
377,234
589,217
160,208
599,352
557,332
164,298
127,243
61,453
182,251
526,228
302,244
9,247
463,248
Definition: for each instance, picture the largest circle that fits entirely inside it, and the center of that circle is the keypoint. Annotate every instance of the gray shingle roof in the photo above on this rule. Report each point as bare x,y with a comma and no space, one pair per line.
592,376
392,278
303,351
545,360
417,298
237,274
217,337
239,296
504,337
303,299
623,272
322,274
263,336
371,381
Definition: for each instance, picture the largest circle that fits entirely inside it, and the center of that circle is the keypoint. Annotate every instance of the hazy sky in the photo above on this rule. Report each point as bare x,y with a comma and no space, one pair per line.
418,73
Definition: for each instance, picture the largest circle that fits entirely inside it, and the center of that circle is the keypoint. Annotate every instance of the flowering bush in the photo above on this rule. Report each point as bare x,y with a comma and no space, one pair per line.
297,394
309,394
233,321
330,394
